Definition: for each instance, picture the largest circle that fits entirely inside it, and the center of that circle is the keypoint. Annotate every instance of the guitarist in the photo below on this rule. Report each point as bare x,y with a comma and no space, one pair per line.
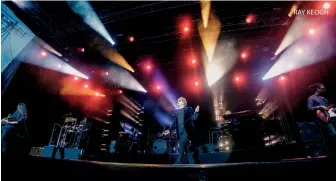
318,102
9,126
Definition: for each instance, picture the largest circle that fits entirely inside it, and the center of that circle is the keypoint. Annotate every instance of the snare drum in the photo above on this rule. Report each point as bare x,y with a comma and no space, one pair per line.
160,146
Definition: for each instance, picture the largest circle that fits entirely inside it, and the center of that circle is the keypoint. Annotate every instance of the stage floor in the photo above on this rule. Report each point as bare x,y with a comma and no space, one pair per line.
35,167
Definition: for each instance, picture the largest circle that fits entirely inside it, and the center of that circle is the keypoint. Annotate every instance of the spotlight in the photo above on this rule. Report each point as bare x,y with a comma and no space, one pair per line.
158,87
43,53
243,55
299,51
106,73
193,61
248,20
82,50
148,67
86,86
326,5
186,29
96,94
196,83
312,31
282,78
120,91
76,78
237,79
131,39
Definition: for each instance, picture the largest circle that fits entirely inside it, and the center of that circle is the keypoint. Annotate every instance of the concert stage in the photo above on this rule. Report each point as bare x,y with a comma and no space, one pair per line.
38,168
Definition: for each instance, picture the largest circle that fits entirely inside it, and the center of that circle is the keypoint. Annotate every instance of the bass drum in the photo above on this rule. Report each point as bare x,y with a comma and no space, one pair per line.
160,147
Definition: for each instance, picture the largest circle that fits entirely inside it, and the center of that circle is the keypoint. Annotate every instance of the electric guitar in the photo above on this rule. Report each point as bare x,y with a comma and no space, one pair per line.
325,115
4,121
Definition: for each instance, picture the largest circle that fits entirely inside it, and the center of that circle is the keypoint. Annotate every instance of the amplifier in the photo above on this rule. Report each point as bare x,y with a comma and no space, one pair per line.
309,132
62,153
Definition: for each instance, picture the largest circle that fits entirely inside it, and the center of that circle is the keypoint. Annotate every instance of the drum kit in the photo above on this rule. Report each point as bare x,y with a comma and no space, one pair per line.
166,144
70,135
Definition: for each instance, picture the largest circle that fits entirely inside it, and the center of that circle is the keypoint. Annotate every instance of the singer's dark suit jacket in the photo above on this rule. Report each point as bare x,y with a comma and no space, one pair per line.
189,117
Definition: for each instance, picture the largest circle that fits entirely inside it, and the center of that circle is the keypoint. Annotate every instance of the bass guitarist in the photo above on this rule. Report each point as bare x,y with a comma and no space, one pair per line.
319,104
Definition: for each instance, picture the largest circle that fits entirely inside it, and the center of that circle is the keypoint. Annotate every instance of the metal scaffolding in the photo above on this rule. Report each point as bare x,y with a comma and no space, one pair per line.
8,24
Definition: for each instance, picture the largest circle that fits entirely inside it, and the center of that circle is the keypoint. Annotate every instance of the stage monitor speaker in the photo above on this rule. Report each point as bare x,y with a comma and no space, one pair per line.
61,153
36,151
309,132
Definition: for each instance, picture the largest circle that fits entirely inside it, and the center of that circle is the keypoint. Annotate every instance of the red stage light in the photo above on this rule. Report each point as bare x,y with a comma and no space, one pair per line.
250,18
43,53
237,79
86,86
282,78
196,83
193,61
120,91
243,55
96,94
83,50
148,67
131,39
158,87
76,78
106,73
312,31
326,5
186,29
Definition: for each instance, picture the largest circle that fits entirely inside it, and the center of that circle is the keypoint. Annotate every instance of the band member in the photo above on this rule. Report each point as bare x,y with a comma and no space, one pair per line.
121,146
10,126
317,101
184,118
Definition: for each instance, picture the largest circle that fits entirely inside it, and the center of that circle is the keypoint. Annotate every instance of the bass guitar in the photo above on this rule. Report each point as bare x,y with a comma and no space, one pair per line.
326,115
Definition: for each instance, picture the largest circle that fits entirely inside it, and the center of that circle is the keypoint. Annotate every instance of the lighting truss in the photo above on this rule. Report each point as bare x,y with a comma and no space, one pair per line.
8,24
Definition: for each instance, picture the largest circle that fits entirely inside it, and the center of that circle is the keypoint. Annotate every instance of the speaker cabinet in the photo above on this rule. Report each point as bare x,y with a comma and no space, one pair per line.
309,132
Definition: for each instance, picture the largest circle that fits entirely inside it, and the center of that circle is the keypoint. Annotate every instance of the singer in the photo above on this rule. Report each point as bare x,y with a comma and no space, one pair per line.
184,118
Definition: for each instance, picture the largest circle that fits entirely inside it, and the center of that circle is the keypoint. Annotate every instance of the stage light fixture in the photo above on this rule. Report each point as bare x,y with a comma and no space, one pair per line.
299,50
76,78
106,73
131,39
237,79
86,86
248,20
196,83
148,67
193,61
43,53
312,31
326,5
186,29
158,87
82,50
120,91
243,55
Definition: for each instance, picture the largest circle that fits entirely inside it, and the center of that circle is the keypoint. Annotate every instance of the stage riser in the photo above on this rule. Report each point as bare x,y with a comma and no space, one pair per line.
66,153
